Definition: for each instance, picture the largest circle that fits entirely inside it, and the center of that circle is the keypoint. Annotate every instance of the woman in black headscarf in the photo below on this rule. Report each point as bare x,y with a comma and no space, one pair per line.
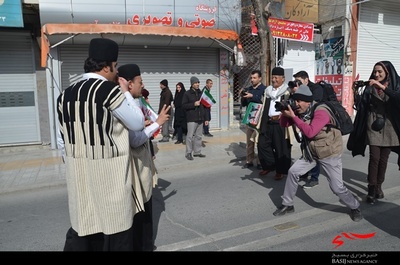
180,124
377,124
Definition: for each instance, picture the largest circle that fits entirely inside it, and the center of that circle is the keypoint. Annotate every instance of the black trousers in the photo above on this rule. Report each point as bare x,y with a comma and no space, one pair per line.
378,160
273,149
137,238
122,241
143,228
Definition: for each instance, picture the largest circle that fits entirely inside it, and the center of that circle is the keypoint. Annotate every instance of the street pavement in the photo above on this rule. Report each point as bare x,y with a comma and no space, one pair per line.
208,204
38,166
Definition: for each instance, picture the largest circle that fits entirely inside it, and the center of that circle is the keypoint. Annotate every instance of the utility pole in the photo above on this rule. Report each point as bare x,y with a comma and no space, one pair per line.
267,51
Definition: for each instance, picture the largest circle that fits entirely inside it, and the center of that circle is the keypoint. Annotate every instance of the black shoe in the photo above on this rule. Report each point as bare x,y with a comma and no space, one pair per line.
247,165
356,215
282,210
370,199
178,142
378,192
163,141
189,156
199,155
304,177
208,135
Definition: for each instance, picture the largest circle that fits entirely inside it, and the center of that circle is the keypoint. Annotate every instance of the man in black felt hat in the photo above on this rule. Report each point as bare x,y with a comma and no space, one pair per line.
273,143
145,168
95,118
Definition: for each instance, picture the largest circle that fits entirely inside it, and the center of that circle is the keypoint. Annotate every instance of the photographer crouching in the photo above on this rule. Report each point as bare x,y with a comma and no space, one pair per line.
319,145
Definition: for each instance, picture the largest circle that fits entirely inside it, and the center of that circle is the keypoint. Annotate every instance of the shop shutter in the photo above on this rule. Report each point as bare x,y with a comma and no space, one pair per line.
18,90
378,35
176,64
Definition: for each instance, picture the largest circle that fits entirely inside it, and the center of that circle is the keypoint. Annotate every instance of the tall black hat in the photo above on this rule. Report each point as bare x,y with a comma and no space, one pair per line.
103,50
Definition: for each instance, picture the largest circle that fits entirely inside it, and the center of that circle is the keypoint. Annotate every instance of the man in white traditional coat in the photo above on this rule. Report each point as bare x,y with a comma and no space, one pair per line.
94,120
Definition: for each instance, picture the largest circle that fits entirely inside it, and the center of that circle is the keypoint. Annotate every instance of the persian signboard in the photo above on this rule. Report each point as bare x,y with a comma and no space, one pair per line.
291,30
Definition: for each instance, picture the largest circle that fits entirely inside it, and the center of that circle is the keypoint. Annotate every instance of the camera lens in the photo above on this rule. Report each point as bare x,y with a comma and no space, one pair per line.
293,84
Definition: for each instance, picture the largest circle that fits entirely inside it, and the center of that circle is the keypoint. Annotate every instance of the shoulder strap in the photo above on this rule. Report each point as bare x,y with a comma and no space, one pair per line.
331,114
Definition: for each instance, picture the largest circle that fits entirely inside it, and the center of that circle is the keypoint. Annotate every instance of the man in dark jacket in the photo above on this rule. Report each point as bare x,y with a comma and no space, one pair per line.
195,116
166,98
316,89
206,128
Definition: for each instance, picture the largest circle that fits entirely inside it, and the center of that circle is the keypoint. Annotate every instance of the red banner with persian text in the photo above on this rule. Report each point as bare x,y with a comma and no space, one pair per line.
291,30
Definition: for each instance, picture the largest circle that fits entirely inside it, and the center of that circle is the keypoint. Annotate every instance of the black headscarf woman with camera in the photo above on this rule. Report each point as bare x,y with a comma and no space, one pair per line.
377,124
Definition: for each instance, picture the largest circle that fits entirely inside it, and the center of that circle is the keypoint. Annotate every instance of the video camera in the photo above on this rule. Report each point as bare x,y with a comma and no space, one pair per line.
294,83
360,83
284,105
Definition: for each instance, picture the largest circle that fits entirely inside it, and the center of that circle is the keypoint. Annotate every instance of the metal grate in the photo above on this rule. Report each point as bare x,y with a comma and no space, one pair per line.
251,48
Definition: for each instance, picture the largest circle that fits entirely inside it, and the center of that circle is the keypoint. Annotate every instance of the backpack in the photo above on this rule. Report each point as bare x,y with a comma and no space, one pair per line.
329,92
343,121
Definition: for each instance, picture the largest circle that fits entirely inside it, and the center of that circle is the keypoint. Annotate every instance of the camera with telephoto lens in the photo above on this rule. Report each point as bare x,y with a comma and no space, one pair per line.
294,83
284,105
360,83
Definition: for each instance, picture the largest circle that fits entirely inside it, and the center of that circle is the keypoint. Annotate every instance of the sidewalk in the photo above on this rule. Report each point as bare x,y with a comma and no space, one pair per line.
30,167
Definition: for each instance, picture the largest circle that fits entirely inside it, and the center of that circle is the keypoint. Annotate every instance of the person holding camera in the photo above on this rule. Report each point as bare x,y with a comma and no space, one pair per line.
377,124
320,144
273,141
302,77
316,89
253,93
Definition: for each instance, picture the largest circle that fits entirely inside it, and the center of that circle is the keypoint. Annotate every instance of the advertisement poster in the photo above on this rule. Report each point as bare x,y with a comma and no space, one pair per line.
329,64
291,30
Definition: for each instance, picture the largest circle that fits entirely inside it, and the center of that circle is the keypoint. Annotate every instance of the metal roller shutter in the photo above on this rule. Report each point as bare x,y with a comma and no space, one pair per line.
18,90
378,35
156,63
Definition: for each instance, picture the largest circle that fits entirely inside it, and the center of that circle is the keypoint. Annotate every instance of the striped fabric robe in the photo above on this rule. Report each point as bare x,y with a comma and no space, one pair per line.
104,193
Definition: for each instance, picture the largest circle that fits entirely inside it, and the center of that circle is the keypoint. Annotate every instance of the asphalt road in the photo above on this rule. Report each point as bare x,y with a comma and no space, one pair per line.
212,204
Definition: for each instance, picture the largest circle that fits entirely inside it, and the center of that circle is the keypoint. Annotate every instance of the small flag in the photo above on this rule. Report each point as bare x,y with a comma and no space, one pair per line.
252,115
148,112
206,99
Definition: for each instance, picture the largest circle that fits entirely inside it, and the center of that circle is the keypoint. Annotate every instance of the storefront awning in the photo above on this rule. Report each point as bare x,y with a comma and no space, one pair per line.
54,34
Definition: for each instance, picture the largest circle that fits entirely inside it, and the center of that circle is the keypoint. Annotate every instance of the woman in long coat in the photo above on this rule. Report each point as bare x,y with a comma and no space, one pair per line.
180,124
377,124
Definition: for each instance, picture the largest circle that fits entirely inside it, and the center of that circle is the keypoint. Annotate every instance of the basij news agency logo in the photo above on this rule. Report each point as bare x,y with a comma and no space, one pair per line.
355,258
340,239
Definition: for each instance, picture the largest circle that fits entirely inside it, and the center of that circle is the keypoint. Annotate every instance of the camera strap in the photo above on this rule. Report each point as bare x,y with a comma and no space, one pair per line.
296,134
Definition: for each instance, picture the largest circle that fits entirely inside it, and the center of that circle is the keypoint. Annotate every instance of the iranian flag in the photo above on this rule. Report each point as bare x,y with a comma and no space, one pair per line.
148,112
206,99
